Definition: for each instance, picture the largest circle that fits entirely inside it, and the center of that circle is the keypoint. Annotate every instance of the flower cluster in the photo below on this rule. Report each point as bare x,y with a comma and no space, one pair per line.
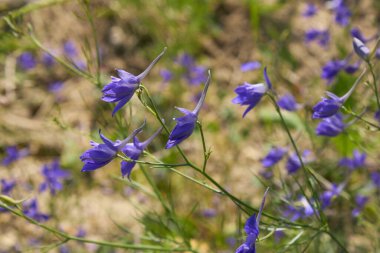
121,90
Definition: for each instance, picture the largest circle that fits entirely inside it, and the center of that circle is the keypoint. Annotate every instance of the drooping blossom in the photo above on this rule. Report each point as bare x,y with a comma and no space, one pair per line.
360,49
251,94
252,230
104,153
186,124
121,89
331,126
133,151
330,106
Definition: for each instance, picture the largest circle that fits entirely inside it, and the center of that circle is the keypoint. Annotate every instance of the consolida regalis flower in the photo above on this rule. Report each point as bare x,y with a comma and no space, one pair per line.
102,154
186,124
251,94
252,230
330,106
331,126
133,151
122,89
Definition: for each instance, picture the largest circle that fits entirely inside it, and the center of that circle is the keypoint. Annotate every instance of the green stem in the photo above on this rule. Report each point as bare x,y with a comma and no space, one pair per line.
374,84
305,170
206,155
68,237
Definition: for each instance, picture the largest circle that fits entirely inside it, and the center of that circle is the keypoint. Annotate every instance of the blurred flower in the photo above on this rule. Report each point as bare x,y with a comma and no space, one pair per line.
321,36
331,126
251,94
375,176
7,186
133,151
102,154
356,33
328,195
209,213
266,173
26,61
300,209
310,10
48,60
55,87
31,210
357,160
273,157
293,164
331,69
166,75
377,116
53,176
81,233
342,13
70,49
252,230
13,154
288,103
186,124
194,74
352,68
122,89
360,201
360,49
251,65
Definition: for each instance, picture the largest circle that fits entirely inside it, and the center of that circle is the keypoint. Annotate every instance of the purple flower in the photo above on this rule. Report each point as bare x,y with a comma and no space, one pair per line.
166,75
293,164
53,176
321,36
328,195
356,33
48,60
375,176
186,124
122,89
360,49
299,210
331,126
70,49
209,213
377,116
310,10
288,103
251,94
342,13
330,106
7,186
352,68
331,69
194,74
252,230
31,210
56,87
360,201
273,157
26,61
251,65
102,154
13,154
133,151
357,160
